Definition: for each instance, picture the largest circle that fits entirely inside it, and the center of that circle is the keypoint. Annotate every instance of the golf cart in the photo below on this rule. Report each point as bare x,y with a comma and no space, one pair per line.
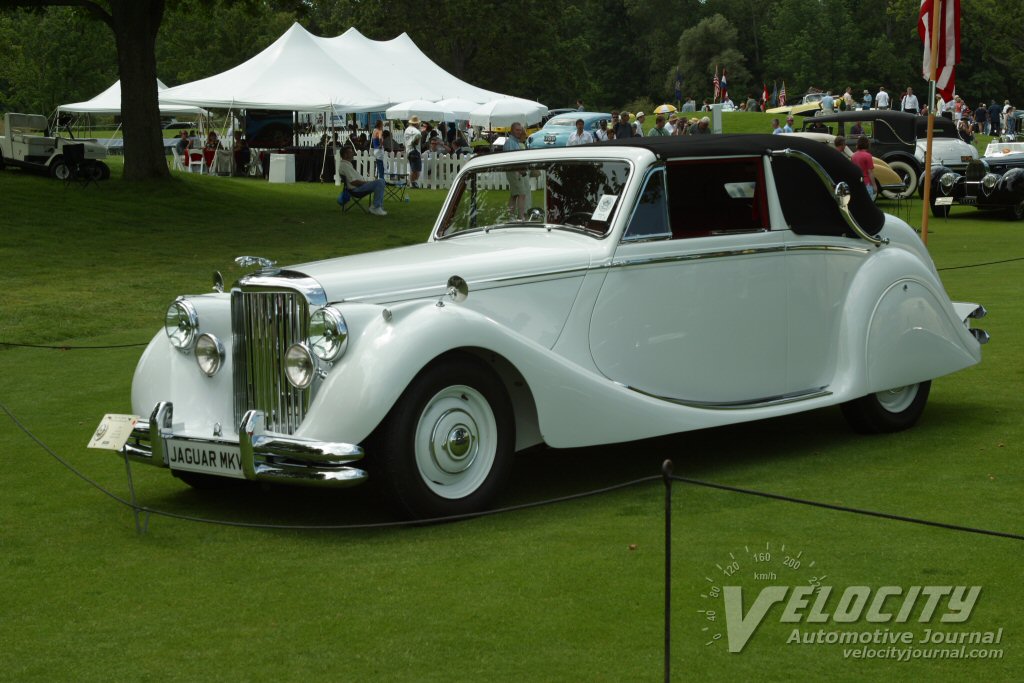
27,143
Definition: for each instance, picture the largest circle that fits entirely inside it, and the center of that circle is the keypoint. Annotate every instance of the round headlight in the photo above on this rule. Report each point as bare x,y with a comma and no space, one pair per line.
988,183
181,324
328,334
946,182
299,367
209,354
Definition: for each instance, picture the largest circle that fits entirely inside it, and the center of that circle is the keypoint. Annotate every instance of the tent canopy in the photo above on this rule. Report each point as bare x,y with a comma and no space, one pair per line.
109,102
347,73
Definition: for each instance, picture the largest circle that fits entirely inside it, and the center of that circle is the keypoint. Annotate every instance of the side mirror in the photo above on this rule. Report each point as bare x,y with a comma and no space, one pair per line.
458,289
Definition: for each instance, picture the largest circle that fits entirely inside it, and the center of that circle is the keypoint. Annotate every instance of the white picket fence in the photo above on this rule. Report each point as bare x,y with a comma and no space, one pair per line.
437,174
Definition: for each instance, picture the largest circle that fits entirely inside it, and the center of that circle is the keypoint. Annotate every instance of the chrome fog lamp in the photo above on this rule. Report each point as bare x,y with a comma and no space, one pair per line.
328,334
299,366
988,183
209,354
946,182
181,324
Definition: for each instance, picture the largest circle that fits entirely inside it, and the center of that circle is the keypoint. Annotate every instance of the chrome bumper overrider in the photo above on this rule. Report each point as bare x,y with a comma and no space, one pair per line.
266,456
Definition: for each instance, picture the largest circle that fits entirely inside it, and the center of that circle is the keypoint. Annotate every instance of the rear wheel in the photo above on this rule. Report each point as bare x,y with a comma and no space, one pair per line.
446,447
892,410
104,170
908,174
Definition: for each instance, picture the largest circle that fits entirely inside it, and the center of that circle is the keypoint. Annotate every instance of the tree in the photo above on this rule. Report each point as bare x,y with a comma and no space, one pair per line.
135,24
710,44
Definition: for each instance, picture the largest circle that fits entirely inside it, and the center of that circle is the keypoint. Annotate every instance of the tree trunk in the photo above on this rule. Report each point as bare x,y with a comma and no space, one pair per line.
135,24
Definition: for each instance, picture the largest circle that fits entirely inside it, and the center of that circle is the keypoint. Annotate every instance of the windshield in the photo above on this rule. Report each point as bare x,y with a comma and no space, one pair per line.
580,195
562,122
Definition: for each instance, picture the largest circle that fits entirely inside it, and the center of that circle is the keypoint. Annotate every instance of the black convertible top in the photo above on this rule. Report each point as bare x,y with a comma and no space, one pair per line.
807,203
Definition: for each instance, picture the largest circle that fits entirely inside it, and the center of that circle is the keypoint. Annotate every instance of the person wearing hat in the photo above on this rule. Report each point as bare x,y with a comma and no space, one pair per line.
866,99
788,128
638,125
673,120
412,150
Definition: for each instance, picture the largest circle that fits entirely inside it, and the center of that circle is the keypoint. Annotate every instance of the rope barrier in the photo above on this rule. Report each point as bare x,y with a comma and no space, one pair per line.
136,508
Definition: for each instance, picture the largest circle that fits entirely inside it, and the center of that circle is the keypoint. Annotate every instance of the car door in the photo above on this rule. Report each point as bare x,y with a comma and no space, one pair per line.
693,308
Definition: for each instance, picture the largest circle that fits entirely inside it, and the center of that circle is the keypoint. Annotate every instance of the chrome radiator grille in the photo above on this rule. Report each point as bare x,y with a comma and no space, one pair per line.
265,323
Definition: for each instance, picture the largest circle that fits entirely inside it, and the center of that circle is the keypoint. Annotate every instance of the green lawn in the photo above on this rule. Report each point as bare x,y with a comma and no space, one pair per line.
570,592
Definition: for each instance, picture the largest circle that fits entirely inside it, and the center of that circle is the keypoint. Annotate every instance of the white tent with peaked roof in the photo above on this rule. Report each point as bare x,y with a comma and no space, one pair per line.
349,73
109,102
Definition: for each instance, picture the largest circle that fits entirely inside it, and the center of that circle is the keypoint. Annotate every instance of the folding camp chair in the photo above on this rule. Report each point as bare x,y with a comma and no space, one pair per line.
346,200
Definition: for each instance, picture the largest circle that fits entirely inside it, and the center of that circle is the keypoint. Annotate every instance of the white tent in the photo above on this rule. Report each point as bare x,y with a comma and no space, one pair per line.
109,102
347,73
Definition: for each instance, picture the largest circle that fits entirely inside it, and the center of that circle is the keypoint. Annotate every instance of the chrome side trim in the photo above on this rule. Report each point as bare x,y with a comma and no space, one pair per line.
740,405
827,180
651,260
828,247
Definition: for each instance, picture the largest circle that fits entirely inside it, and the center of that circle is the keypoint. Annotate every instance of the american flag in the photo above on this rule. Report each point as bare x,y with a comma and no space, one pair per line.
949,43
782,95
718,88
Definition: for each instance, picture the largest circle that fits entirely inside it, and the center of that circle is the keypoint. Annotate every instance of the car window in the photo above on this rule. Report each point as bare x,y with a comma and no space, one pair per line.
650,215
562,122
580,195
716,196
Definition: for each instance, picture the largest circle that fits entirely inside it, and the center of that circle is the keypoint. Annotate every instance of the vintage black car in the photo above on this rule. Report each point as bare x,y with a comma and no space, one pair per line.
899,138
993,182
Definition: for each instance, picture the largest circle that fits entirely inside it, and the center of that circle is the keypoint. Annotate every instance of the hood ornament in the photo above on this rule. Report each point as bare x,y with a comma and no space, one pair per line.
263,263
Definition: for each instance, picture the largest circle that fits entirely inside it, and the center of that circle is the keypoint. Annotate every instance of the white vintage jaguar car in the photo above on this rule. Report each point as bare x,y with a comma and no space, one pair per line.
650,286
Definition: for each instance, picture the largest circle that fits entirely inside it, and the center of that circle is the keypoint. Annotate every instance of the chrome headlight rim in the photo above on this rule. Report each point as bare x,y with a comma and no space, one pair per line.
182,335
988,183
209,353
331,341
299,365
946,182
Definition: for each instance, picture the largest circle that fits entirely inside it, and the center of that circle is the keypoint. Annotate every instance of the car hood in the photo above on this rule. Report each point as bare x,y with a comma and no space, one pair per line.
423,270
947,151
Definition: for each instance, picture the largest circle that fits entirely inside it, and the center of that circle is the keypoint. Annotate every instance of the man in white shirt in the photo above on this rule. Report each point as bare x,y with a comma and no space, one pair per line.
579,136
357,185
412,150
673,119
909,102
882,98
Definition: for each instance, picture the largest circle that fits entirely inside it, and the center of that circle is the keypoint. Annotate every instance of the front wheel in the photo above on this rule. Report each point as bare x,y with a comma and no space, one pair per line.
892,410
59,170
446,447
908,174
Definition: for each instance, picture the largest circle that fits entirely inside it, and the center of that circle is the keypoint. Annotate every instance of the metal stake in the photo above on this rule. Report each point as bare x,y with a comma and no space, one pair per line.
140,527
666,474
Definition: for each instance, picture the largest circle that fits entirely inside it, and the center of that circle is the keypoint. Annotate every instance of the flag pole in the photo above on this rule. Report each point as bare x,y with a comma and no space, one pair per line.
927,173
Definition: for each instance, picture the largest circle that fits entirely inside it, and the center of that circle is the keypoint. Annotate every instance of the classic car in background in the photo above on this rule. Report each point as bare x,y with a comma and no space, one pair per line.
886,179
994,182
649,286
557,130
898,139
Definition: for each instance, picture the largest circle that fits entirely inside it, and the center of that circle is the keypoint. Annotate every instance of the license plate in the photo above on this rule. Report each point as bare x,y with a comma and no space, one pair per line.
549,138
220,459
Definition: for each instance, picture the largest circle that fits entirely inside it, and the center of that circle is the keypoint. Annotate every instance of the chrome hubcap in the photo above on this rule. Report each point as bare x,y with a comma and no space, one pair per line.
453,441
898,399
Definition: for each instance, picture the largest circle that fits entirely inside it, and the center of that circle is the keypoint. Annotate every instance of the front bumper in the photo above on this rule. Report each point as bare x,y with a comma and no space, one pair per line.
265,456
